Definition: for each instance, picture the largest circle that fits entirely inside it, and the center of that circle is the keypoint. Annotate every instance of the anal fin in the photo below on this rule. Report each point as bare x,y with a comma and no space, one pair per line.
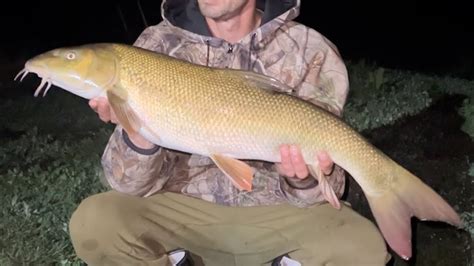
326,188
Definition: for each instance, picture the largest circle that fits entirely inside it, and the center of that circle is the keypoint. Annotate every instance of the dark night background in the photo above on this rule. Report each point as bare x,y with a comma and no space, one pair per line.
423,36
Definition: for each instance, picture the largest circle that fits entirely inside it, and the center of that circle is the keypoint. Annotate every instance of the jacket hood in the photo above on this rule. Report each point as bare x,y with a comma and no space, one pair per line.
185,15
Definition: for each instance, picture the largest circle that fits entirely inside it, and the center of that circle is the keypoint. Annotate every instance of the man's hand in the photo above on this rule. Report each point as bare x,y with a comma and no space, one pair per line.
101,106
292,163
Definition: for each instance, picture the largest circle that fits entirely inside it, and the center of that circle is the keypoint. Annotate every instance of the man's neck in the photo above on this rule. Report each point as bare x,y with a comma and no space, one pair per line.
235,28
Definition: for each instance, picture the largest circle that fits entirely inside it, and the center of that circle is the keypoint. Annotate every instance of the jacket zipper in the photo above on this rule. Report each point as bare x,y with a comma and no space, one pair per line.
230,49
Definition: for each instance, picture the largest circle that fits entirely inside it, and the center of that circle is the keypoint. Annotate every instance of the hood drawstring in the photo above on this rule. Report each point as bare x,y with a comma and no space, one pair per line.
208,52
249,64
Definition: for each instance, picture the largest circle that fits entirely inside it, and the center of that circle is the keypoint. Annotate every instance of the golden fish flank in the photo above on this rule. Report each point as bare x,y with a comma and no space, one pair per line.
233,114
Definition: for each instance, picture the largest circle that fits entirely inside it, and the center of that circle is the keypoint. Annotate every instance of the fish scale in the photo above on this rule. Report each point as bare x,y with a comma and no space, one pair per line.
229,115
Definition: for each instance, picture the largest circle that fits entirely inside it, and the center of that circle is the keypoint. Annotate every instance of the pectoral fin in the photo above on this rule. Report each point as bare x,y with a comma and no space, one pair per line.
126,116
240,173
326,189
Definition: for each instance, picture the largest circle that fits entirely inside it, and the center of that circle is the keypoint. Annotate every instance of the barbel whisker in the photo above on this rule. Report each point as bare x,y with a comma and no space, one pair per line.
47,88
22,73
38,89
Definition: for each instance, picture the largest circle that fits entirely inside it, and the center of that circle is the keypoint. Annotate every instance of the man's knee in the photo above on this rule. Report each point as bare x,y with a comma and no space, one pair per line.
348,239
92,211
360,241
96,222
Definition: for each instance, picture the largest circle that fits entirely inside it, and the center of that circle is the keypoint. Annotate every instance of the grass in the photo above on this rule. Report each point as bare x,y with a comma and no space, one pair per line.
50,153
379,97
49,162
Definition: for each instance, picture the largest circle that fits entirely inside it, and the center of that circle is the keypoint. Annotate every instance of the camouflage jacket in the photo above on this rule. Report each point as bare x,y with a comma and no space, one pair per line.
282,48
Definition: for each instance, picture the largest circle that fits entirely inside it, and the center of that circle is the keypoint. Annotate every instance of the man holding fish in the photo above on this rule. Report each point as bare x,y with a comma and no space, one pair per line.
168,206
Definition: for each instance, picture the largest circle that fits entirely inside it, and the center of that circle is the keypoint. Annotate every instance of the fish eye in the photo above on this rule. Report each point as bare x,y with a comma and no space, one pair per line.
71,55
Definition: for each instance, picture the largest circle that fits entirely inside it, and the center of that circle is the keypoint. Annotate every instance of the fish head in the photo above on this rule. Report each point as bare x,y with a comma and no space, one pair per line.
87,71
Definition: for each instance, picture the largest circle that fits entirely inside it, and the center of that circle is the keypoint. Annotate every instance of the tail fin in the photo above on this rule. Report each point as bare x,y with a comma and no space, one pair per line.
409,197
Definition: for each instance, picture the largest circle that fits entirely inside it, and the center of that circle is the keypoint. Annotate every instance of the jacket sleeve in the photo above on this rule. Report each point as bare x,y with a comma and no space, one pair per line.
128,168
326,84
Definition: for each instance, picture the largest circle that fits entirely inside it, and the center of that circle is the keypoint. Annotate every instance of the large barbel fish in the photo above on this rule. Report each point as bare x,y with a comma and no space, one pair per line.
232,115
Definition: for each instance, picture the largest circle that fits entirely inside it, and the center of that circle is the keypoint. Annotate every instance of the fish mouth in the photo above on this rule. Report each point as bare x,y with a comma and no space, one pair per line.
40,71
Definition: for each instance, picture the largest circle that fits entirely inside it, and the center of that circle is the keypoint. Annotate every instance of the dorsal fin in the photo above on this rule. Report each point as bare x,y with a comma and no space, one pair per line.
261,80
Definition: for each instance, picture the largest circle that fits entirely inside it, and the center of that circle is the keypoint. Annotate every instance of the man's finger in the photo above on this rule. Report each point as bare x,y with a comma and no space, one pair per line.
104,111
285,166
297,160
104,117
325,163
93,104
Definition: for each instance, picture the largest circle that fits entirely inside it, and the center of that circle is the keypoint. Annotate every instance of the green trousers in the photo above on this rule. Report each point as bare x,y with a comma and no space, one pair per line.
116,229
